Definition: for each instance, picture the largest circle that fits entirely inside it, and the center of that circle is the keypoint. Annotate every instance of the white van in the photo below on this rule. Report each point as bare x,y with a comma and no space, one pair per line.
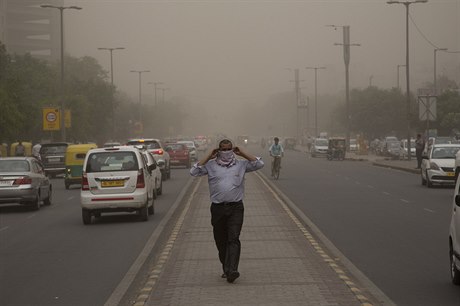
116,179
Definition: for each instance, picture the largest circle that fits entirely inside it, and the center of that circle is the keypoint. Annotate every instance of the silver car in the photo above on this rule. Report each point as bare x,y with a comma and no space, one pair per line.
23,181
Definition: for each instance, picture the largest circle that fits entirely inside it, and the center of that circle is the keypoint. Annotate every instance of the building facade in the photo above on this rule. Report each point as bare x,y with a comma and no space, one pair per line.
25,27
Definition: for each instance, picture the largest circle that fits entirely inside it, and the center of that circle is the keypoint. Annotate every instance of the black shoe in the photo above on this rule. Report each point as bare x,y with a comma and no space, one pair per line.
232,276
224,275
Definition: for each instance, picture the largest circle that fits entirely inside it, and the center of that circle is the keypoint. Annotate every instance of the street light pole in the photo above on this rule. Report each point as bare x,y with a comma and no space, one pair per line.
62,113
140,72
397,76
155,91
407,4
163,94
346,57
111,82
434,70
316,96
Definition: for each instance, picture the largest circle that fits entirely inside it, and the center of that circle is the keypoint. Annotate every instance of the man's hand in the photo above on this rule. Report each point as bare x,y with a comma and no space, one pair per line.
237,151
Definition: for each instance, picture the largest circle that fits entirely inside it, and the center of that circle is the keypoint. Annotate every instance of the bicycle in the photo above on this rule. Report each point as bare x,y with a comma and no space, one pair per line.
276,167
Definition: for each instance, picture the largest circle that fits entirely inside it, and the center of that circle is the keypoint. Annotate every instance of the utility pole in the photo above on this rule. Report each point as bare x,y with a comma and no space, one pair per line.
346,57
316,96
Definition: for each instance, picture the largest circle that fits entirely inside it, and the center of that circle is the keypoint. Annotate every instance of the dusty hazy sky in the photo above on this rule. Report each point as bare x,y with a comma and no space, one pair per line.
239,50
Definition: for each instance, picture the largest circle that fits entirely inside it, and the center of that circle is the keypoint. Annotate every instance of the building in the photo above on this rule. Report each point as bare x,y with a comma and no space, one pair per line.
25,27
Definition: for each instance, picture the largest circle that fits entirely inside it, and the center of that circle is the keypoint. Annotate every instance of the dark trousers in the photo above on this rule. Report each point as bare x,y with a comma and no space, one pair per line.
418,154
227,221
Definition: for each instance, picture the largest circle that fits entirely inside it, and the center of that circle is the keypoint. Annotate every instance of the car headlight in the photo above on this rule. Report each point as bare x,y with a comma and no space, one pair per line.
434,166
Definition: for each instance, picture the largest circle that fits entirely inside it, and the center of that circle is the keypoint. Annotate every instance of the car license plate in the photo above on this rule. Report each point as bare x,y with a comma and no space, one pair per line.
450,173
6,183
53,160
117,183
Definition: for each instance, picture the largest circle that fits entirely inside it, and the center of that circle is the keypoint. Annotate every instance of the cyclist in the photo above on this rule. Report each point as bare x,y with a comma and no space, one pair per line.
276,150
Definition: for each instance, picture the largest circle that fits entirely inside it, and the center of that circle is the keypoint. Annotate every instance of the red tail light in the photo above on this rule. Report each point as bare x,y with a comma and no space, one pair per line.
158,152
84,182
140,179
23,181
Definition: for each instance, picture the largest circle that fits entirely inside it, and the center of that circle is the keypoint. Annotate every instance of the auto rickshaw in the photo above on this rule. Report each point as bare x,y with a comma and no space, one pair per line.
27,148
74,157
336,148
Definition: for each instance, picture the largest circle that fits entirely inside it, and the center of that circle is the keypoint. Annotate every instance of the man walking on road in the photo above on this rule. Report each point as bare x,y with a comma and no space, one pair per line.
226,187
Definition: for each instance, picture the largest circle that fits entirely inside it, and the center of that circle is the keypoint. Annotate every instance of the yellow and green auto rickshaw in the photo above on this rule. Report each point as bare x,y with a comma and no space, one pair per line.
27,148
74,157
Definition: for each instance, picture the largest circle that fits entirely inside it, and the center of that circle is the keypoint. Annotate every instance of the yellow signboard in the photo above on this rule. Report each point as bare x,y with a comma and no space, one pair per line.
51,119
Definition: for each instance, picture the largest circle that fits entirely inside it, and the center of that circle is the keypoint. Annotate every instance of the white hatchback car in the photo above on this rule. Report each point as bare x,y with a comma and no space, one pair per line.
320,147
155,173
438,165
116,179
454,237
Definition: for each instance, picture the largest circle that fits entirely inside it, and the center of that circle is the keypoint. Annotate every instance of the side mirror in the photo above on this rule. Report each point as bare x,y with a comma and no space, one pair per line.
152,167
457,200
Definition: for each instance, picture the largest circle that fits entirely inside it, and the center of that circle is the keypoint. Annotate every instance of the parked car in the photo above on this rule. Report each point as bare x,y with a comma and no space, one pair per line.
155,173
353,145
116,179
438,165
179,154
454,237
191,148
320,147
53,157
155,147
403,148
23,181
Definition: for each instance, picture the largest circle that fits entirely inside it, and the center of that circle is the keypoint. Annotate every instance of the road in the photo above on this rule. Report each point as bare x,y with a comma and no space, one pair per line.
48,257
384,221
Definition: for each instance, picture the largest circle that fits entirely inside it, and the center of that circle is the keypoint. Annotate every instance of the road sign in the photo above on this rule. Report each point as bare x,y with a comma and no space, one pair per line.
51,119
427,108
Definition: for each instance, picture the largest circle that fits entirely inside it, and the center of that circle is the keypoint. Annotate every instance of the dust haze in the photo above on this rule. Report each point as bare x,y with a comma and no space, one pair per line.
229,59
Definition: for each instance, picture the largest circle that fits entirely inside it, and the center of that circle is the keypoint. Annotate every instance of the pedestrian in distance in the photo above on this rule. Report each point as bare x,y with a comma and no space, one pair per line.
20,150
419,146
226,187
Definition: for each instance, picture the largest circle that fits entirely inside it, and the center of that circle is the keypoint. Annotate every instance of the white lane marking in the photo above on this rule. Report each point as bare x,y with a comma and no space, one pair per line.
428,210
31,216
70,198
385,193
370,186
4,228
405,201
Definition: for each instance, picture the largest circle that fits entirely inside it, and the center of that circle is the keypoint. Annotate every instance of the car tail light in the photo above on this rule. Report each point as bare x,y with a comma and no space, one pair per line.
158,152
23,181
140,179
84,182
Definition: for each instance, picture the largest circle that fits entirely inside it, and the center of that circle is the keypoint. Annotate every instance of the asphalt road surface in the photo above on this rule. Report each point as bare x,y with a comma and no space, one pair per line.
390,226
48,257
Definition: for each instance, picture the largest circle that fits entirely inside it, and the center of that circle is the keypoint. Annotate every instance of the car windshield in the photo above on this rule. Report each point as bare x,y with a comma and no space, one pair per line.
14,166
444,152
321,142
393,145
54,149
111,161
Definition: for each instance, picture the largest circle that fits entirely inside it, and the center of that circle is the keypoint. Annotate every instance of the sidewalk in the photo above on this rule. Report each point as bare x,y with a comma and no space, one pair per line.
282,261
404,165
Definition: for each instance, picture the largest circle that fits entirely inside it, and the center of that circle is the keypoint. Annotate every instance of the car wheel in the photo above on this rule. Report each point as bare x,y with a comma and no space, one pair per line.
169,173
423,180
86,216
160,190
154,192
151,209
454,272
35,204
144,212
67,186
48,200
429,184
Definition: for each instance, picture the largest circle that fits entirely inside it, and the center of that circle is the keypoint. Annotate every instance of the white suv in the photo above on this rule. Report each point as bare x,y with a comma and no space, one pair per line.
454,237
116,179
